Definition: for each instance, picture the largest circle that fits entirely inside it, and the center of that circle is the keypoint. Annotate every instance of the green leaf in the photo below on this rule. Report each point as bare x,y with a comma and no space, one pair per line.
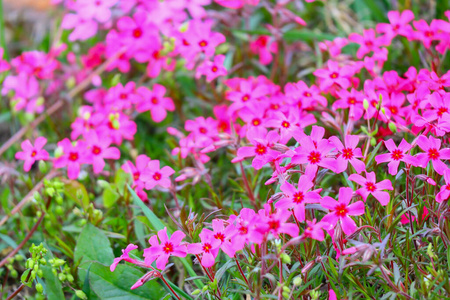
306,36
154,220
92,246
77,192
110,196
116,285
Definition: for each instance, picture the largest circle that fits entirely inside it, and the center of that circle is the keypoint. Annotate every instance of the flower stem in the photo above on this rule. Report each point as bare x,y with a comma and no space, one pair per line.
170,288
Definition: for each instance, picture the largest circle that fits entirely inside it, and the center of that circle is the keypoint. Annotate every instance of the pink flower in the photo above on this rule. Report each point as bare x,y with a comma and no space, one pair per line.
164,248
136,171
118,126
370,186
432,146
396,155
235,4
98,9
352,100
224,235
153,175
260,149
264,46
427,33
313,152
73,157
314,230
348,153
368,42
333,75
341,210
31,154
399,24
100,149
125,256
296,198
208,247
155,102
275,222
444,193
83,28
287,124
212,69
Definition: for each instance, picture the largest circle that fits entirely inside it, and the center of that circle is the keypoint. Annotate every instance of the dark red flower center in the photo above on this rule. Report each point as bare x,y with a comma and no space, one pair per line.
347,153
298,197
136,176
341,210
260,149
155,100
220,236
157,176
203,43
441,111
370,186
137,33
214,69
397,154
314,157
433,153
202,130
334,75
256,122
96,150
207,247
34,153
168,248
245,98
73,156
285,124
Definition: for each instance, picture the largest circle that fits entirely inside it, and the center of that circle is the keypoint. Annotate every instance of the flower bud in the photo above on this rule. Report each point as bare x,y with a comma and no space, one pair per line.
286,259
196,292
298,281
80,294
39,288
392,127
365,104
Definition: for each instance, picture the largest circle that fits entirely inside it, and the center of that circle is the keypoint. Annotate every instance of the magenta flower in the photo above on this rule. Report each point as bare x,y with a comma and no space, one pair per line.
264,46
333,75
208,247
313,152
352,100
125,256
314,230
212,69
155,102
83,28
160,250
246,94
275,222
98,9
153,175
341,210
30,154
444,193
370,186
100,149
260,149
399,24
136,171
348,153
224,234
73,157
288,125
396,155
432,146
4,66
368,42
296,198
118,127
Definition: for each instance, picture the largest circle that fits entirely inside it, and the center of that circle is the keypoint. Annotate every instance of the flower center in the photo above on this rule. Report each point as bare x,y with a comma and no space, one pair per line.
341,210
274,224
307,94
34,153
433,153
393,109
285,124
96,150
123,96
351,100
334,75
214,69
136,176
397,154
155,100
256,122
347,153
203,43
370,186
73,156
298,197
220,236
157,176
137,33
441,111
260,149
207,247
314,157
168,248
245,98
202,130
243,230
